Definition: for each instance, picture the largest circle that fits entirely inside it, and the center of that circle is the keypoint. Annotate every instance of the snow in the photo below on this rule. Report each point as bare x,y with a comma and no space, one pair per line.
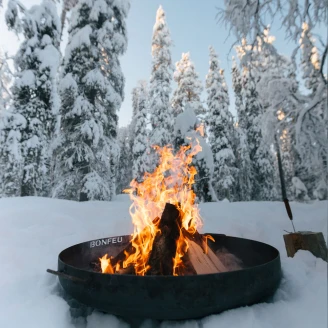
27,79
99,7
67,82
95,78
79,39
299,188
185,122
49,57
34,231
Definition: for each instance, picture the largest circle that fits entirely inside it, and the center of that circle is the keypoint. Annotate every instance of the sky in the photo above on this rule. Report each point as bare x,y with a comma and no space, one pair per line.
193,28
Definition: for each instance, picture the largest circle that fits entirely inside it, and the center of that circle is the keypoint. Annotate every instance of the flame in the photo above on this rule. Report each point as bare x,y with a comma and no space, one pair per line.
106,267
171,182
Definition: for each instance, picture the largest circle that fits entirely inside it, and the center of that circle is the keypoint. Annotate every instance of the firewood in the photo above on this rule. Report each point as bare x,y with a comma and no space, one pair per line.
128,270
204,263
202,257
306,240
186,269
165,242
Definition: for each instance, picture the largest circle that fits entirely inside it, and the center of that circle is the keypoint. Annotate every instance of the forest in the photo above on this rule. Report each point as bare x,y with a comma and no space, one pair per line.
59,133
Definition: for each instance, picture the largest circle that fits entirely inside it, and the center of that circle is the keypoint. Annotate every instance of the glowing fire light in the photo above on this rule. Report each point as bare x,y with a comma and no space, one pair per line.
171,182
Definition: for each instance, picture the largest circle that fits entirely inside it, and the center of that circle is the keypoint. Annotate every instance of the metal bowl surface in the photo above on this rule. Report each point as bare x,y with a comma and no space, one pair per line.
170,297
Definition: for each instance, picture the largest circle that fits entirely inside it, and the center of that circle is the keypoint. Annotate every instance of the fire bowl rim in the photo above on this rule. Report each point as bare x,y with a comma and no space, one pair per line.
172,276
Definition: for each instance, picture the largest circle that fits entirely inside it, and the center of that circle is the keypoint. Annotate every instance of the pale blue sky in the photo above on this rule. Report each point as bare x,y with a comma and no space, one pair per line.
193,28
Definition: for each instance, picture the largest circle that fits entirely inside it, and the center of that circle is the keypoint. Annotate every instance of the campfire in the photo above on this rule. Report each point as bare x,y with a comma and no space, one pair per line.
166,221
181,269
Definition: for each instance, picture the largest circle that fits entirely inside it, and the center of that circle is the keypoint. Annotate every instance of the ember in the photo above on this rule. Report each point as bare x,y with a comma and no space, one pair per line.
166,222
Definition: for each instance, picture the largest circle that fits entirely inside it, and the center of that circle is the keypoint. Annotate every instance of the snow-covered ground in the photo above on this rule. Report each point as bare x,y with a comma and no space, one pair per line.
34,230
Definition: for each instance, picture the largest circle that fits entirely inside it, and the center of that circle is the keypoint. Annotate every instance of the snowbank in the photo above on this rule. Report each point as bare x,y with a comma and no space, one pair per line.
34,230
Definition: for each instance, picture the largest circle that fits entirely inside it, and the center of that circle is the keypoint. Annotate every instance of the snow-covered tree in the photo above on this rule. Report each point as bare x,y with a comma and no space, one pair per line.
34,92
189,131
124,169
244,165
237,87
67,6
262,177
91,93
310,59
299,18
313,134
189,87
300,192
287,160
140,142
160,83
11,159
6,77
220,124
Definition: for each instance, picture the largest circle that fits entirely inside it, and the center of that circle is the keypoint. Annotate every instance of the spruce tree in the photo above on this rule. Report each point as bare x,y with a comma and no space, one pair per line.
220,124
140,142
262,177
34,94
237,88
6,77
189,87
91,93
5,96
11,159
244,165
124,169
313,140
160,83
132,125
287,160
189,132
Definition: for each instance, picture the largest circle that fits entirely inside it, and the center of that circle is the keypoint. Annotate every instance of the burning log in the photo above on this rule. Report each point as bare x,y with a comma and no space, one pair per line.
165,242
199,259
116,263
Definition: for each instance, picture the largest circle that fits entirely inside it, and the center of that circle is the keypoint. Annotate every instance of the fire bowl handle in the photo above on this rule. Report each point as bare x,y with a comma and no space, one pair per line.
66,276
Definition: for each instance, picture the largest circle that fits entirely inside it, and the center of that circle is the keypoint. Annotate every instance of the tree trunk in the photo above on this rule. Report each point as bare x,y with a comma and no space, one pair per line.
308,241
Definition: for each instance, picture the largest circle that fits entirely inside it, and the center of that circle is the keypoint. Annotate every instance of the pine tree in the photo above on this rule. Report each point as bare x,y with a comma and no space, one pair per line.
91,92
160,83
189,131
220,125
34,95
140,143
189,87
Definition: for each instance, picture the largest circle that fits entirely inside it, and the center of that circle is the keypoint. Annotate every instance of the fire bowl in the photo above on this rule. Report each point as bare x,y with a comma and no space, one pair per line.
170,297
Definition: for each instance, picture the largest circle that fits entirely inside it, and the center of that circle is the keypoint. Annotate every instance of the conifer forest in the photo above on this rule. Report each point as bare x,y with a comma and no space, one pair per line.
60,103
